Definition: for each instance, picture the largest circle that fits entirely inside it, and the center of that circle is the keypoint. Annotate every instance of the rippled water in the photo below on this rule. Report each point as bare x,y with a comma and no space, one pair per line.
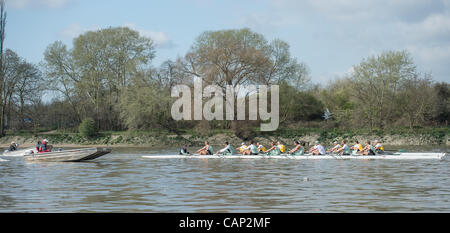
125,182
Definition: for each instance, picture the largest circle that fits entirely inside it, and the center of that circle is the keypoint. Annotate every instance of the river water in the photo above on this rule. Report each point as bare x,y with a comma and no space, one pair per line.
123,181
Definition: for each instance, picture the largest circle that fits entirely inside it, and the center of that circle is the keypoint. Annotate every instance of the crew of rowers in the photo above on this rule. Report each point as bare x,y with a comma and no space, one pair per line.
278,148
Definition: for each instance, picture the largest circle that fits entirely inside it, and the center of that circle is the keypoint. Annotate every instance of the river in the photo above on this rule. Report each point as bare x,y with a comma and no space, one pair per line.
123,181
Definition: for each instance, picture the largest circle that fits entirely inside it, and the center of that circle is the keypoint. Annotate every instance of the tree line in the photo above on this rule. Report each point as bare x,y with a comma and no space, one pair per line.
107,75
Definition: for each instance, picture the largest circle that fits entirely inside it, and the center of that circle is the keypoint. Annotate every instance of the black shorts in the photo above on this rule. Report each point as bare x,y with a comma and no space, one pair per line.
209,152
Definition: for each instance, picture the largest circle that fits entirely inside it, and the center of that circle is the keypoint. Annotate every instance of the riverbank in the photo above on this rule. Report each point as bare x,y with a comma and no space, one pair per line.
418,137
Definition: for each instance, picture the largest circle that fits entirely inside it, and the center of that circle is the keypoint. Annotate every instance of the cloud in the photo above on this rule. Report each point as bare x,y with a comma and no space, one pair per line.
21,4
367,27
161,39
74,30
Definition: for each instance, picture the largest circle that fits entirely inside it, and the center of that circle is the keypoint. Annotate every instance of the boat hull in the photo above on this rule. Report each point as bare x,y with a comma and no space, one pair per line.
77,155
19,153
400,156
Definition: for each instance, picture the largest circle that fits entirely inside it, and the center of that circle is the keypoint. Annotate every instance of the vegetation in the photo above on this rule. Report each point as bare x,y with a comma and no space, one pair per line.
87,128
107,78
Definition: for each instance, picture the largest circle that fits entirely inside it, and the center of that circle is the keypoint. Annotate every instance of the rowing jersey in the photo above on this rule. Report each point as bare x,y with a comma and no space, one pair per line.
253,149
282,148
358,147
346,149
228,149
337,147
379,147
261,148
243,148
321,149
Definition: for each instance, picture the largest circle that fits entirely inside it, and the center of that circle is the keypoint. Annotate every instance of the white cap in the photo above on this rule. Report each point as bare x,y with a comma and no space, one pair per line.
317,142
336,143
243,143
45,140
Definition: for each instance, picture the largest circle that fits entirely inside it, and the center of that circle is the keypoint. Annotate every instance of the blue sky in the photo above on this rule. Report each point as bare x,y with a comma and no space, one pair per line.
330,36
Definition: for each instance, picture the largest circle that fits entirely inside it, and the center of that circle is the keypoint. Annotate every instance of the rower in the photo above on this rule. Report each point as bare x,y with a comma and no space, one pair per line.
274,150
357,147
261,148
242,148
251,150
206,150
183,151
345,149
298,150
318,149
378,147
281,147
368,149
335,148
228,150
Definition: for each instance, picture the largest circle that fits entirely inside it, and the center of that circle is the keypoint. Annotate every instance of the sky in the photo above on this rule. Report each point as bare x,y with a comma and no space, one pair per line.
329,36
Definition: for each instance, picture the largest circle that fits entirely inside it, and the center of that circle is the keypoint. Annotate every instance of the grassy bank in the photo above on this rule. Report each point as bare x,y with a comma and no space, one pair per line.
399,136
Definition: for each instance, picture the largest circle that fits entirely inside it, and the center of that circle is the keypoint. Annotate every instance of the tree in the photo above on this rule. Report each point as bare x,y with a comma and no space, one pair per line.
375,86
2,66
93,74
239,58
87,128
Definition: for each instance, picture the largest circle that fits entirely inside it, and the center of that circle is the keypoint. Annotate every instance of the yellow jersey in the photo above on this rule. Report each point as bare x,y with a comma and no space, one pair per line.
358,147
282,148
261,148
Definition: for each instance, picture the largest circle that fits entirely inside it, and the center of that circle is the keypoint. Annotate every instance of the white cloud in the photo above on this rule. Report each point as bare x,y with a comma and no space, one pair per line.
367,27
21,4
74,30
161,39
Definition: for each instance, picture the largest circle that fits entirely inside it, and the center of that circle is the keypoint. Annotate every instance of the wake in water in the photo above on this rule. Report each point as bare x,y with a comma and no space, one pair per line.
2,160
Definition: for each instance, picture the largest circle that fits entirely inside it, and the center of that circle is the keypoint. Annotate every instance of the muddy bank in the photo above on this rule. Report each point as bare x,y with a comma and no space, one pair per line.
126,140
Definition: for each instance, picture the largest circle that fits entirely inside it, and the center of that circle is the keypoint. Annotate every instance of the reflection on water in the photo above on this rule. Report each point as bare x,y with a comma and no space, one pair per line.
125,182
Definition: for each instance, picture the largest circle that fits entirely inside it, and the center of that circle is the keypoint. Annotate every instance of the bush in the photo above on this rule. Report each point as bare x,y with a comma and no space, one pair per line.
87,128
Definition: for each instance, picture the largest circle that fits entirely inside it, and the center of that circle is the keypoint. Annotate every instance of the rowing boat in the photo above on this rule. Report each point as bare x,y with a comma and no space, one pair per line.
76,155
397,156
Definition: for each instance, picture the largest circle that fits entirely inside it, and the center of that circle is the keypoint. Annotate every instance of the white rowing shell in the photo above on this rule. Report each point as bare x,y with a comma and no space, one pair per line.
400,156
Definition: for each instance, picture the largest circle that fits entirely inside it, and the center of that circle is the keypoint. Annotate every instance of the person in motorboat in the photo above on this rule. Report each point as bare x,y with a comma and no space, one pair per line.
274,150
228,150
335,148
261,148
298,149
281,147
345,149
44,147
317,149
13,146
38,145
378,147
368,149
251,150
242,148
184,151
206,150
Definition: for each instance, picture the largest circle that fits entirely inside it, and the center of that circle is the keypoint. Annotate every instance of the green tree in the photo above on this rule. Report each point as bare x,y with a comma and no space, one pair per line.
87,128
92,74
376,82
